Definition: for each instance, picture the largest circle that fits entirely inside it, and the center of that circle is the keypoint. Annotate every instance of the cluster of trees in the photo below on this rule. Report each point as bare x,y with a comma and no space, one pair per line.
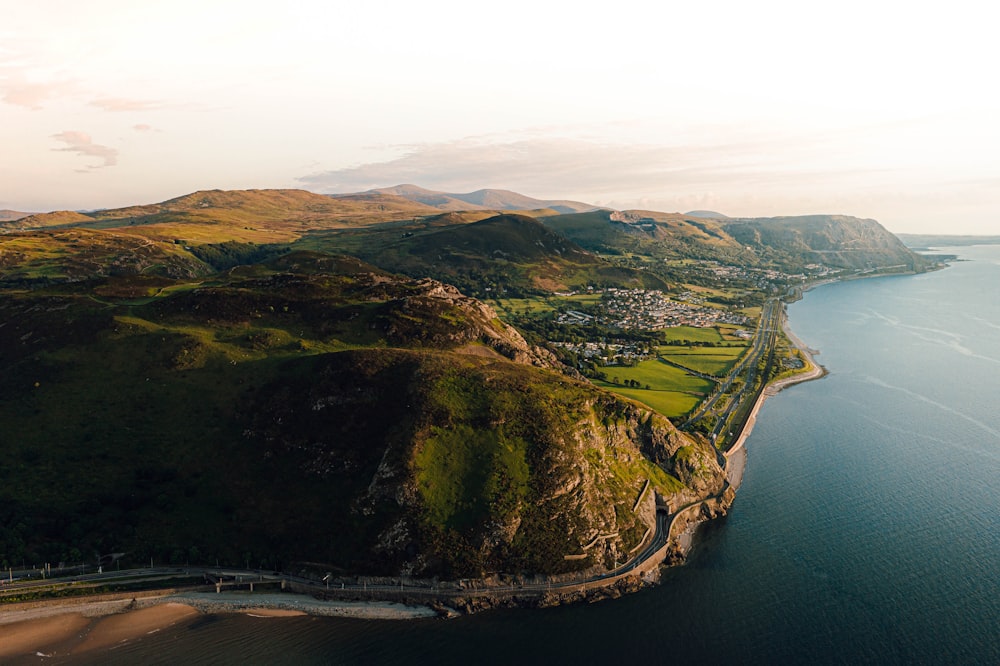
630,383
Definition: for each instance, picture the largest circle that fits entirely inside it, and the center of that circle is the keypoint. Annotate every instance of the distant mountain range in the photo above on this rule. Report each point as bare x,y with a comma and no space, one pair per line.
482,200
10,215
710,214
451,237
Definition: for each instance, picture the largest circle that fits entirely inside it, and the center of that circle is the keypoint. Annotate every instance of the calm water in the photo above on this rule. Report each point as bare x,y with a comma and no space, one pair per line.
867,528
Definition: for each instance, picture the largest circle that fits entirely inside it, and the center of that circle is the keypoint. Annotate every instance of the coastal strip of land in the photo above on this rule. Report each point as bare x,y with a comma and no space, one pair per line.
736,456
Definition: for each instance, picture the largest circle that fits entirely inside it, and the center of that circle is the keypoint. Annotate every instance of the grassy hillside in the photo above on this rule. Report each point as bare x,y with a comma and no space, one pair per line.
249,216
837,241
312,409
197,234
786,243
661,235
189,236
505,254
74,254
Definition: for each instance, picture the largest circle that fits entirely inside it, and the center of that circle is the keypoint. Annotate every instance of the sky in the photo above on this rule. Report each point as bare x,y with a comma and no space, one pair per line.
887,110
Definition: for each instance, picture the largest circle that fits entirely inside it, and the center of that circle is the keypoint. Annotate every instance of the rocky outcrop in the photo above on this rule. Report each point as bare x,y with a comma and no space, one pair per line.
460,321
473,465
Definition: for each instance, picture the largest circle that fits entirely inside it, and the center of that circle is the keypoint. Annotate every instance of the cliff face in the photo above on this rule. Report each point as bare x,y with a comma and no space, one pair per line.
472,465
839,241
459,449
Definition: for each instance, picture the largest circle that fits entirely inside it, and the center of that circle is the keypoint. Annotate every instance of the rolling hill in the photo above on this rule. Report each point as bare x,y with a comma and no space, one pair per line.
207,231
507,253
209,213
486,199
837,241
663,235
11,215
711,214
785,243
188,236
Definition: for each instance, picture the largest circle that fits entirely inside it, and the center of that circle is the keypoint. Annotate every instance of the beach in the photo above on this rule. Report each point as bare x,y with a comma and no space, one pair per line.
64,628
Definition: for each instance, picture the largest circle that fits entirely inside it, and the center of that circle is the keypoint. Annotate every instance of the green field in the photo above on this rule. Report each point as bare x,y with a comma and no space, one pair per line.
716,361
672,392
692,334
671,404
540,304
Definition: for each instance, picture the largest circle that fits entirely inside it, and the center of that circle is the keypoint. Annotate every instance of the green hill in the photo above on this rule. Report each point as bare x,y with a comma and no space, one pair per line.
189,236
308,410
662,235
837,241
785,243
506,253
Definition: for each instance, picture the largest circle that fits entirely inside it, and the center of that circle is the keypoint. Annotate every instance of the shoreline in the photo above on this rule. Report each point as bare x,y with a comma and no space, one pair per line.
736,454
63,628
66,627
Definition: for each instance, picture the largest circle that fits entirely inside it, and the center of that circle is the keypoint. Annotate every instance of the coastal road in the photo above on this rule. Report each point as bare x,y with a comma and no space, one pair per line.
763,342
239,577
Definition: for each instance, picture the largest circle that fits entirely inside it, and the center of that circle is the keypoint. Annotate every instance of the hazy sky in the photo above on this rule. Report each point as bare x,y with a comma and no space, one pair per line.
877,109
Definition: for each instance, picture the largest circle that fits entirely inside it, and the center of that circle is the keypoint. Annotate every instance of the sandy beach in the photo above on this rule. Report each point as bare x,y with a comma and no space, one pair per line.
64,628
31,636
69,631
113,630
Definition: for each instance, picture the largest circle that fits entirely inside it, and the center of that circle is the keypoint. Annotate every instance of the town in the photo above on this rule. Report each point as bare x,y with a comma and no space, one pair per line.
650,310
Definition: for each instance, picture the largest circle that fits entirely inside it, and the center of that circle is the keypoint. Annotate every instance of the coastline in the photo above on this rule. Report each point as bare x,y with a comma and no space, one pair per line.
68,627
736,455
62,628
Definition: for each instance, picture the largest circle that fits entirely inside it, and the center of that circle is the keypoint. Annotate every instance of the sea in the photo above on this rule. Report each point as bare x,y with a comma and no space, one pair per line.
866,530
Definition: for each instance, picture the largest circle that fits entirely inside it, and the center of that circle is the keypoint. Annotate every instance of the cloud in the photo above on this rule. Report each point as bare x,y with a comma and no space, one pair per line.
757,174
31,81
117,104
561,167
16,89
82,144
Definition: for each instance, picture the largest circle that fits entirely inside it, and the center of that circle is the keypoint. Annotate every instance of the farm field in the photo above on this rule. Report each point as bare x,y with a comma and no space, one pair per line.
672,392
715,361
540,304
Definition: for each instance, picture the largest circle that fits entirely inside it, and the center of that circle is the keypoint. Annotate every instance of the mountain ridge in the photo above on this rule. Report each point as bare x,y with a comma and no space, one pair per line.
482,199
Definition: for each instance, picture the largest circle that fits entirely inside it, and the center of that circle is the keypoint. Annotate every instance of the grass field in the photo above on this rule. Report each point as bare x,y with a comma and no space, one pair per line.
540,304
716,361
692,333
672,404
672,392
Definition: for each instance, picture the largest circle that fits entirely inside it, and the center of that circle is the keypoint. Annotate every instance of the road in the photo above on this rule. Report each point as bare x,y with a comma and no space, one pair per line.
239,577
763,343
